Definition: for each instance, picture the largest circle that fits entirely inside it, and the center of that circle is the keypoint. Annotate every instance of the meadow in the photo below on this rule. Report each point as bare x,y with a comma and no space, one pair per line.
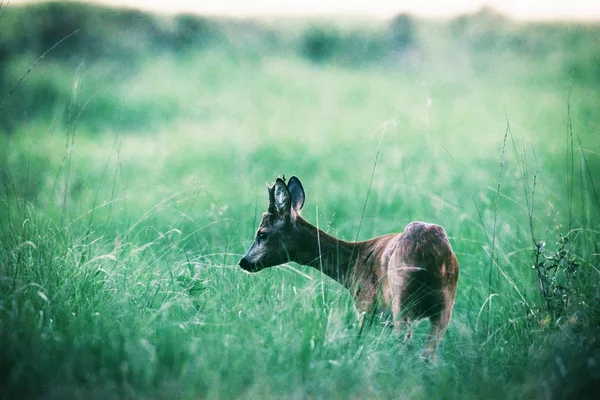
134,151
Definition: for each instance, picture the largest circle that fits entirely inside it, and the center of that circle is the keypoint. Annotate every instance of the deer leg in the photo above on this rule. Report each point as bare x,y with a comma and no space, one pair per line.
402,321
439,323
364,310
409,329
397,282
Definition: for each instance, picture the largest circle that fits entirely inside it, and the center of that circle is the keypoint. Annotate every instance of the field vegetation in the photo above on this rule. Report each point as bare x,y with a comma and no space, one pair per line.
134,150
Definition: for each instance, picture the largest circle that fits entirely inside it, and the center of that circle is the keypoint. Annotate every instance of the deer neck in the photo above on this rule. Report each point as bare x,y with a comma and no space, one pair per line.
336,258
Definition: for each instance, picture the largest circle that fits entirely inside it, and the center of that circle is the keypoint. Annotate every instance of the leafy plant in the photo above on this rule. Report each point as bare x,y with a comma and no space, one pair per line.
556,273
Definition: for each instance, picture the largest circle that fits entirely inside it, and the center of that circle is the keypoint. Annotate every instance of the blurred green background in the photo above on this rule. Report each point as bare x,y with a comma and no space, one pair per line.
133,158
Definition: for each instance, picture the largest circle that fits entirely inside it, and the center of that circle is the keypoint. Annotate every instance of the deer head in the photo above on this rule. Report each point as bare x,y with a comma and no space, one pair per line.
275,242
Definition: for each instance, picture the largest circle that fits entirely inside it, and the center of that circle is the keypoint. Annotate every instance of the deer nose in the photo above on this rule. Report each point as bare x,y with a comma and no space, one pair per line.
245,264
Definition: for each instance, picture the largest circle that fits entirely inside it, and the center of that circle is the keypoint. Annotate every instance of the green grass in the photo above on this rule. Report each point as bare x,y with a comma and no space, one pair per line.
130,191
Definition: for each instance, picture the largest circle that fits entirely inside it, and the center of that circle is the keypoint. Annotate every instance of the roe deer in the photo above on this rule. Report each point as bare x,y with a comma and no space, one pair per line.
414,273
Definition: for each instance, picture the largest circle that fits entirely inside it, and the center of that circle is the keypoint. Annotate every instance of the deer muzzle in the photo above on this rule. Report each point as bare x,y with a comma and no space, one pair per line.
247,265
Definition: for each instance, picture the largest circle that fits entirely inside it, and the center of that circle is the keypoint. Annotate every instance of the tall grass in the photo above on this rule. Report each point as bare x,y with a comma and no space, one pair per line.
120,237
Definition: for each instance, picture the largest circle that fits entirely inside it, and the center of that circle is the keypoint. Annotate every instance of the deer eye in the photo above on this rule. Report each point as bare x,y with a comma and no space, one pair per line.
262,236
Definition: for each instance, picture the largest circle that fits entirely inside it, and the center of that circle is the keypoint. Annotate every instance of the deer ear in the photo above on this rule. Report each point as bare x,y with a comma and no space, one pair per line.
296,192
281,196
